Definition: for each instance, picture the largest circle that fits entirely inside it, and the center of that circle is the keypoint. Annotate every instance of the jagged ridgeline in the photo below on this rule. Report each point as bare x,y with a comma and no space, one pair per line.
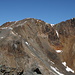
34,47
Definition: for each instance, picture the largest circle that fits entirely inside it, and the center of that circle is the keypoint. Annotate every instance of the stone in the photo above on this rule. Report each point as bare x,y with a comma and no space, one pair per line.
28,47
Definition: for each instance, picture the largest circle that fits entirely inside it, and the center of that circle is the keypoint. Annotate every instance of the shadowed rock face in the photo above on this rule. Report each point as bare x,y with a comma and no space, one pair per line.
28,47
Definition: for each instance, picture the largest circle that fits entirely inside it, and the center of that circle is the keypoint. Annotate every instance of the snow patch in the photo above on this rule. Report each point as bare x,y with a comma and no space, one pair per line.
52,25
26,43
64,63
1,37
52,62
7,28
57,33
59,51
55,69
67,68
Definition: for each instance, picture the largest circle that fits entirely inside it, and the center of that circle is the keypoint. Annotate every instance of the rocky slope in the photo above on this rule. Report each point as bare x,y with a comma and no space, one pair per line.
30,47
66,32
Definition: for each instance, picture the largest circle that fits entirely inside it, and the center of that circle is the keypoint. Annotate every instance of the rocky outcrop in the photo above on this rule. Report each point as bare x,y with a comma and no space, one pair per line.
66,32
28,47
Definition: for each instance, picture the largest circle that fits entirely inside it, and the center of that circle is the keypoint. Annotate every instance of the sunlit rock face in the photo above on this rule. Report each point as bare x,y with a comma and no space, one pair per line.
34,47
66,32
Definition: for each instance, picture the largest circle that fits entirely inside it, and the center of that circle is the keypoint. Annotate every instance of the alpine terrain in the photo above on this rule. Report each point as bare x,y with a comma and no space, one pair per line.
34,47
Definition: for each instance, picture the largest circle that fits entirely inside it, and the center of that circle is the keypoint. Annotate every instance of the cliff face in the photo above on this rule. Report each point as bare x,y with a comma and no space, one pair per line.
66,32
28,47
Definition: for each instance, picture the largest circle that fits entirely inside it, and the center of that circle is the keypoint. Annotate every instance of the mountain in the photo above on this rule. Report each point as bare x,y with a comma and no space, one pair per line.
34,47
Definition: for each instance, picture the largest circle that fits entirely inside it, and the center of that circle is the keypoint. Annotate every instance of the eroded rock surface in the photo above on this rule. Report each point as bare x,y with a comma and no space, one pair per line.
66,32
28,47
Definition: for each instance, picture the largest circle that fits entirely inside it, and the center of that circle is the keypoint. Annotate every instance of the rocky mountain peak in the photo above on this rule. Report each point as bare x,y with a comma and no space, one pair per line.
31,47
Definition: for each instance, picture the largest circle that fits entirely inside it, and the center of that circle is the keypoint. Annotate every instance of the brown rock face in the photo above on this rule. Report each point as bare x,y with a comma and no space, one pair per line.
28,47
66,32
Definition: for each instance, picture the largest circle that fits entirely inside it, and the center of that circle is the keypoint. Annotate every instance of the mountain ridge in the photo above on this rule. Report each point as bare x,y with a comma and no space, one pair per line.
28,40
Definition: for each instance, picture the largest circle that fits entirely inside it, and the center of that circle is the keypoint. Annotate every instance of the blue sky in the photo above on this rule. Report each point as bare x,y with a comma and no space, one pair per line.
50,11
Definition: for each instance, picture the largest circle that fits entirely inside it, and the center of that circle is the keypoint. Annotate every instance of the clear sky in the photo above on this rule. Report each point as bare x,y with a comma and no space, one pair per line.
50,11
